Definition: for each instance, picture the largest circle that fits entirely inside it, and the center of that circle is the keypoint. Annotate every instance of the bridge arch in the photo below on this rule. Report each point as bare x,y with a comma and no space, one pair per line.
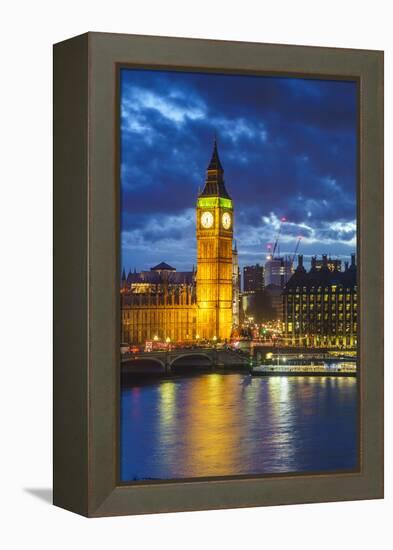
140,365
189,356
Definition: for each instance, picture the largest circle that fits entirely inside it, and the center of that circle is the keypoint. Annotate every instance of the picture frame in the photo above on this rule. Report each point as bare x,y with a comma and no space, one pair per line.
87,272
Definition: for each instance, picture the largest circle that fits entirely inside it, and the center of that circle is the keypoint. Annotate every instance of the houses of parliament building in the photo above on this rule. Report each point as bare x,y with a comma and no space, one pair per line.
164,303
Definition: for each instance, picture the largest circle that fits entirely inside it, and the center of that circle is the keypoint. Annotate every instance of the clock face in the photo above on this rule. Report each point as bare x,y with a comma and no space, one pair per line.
207,219
226,220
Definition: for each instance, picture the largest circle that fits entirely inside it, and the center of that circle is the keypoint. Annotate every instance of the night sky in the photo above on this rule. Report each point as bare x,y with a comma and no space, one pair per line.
287,145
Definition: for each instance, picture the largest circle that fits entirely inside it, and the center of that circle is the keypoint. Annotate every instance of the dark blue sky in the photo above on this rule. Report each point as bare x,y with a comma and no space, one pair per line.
287,145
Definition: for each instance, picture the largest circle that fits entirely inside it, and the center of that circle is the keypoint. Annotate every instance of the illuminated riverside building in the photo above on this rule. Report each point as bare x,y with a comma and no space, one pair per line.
320,306
168,305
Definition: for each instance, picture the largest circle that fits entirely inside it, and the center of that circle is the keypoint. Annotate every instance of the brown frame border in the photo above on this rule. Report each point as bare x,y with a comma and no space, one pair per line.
86,273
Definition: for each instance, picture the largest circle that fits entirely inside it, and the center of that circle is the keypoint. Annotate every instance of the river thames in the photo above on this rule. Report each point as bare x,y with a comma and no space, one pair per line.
231,424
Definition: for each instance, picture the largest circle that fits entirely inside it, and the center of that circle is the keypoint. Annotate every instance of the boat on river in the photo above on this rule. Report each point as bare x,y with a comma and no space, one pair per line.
321,369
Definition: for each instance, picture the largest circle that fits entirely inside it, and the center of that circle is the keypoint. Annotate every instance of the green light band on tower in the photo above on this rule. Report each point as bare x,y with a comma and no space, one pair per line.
209,202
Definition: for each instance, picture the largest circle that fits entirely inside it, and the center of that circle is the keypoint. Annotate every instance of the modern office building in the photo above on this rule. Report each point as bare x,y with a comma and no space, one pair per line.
253,278
277,271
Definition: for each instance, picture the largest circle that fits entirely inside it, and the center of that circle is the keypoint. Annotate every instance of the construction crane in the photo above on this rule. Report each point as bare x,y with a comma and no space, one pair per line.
296,249
283,220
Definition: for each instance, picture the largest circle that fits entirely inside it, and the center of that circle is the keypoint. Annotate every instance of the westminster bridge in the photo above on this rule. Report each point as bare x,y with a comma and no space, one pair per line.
168,361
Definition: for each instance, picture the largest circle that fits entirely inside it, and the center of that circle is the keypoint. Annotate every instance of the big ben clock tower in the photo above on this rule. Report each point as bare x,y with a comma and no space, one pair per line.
214,231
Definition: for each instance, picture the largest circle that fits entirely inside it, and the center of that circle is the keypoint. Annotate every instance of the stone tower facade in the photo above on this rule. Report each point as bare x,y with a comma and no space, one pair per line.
214,232
235,288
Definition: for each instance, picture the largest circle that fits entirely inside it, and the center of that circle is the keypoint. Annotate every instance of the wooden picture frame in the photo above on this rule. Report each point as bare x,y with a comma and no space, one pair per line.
86,273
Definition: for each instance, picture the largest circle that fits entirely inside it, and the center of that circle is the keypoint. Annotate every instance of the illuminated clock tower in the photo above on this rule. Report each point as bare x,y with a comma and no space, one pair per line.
214,231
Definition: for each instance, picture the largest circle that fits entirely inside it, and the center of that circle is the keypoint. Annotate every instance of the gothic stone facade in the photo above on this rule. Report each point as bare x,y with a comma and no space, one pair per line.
158,304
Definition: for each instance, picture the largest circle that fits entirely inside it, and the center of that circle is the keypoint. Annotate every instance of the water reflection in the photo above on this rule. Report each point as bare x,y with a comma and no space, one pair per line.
167,406
217,425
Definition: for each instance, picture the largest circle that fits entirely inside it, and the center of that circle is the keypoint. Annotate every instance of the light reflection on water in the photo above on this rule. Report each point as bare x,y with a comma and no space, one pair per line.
220,425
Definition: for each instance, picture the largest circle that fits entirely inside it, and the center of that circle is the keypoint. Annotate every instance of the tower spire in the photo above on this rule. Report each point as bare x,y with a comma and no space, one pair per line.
214,183
215,163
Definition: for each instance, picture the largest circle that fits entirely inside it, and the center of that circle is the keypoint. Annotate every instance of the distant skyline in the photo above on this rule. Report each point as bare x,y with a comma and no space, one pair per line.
288,147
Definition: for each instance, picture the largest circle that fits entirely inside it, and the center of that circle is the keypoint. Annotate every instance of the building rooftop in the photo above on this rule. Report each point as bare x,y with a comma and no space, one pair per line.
163,267
158,277
321,276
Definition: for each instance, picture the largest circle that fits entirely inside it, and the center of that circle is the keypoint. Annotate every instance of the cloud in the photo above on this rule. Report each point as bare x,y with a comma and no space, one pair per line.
157,238
288,147
236,129
321,232
173,105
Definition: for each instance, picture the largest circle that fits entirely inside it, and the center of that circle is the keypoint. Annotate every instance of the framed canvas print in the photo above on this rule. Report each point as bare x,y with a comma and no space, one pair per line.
218,274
